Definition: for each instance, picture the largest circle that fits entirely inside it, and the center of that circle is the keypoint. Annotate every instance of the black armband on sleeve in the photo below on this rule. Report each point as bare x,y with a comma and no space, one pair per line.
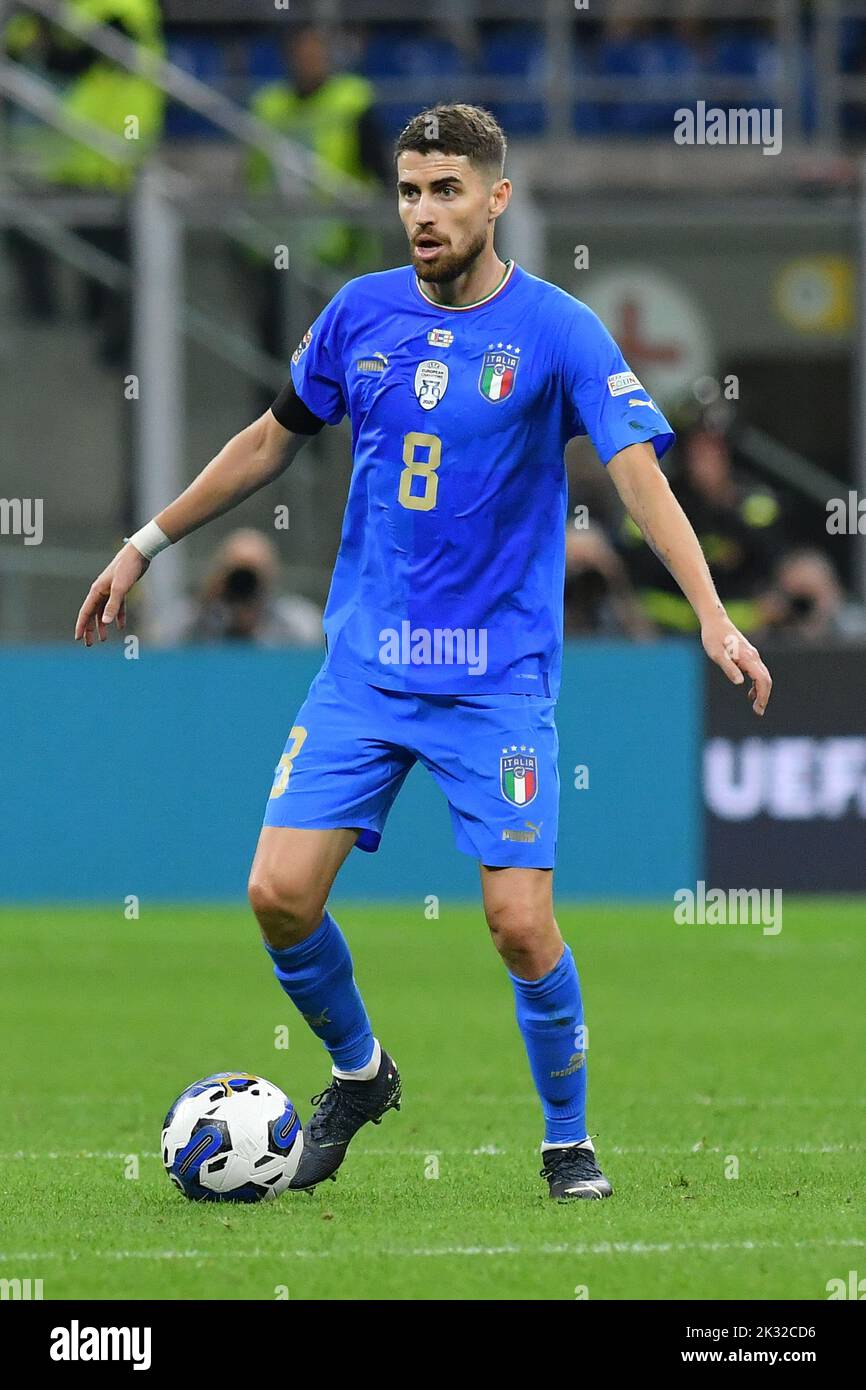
292,414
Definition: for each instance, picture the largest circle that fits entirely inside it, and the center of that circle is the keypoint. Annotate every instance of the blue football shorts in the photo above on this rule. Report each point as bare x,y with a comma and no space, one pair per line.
494,756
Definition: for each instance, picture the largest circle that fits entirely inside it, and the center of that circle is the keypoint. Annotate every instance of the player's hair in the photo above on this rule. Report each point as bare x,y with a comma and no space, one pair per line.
456,128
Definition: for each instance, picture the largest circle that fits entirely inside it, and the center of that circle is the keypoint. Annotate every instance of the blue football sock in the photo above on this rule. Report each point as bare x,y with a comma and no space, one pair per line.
318,978
550,1015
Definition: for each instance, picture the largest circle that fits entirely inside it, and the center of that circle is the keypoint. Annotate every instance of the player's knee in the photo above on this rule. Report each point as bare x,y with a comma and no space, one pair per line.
527,939
510,920
288,906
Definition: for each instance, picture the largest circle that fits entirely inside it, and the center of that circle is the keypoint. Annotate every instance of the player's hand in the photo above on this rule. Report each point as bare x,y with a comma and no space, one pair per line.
728,648
106,599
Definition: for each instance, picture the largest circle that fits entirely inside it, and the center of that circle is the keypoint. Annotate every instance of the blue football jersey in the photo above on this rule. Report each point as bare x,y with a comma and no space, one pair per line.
450,573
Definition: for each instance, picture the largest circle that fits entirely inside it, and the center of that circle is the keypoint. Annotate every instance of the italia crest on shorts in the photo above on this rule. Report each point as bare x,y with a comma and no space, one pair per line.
518,776
498,371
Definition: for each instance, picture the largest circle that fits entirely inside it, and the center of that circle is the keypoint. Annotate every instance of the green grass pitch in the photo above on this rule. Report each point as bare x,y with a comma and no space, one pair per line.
713,1049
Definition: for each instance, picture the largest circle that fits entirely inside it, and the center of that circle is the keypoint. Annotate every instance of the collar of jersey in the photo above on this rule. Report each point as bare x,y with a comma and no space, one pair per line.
506,280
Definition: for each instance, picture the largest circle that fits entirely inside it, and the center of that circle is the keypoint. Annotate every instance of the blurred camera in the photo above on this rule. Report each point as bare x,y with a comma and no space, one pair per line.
241,585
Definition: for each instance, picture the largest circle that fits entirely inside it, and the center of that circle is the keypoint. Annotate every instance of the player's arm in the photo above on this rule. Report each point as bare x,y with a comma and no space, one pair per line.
249,461
647,496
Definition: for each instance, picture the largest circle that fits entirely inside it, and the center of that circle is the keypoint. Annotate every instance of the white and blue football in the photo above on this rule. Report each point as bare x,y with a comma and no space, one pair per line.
232,1137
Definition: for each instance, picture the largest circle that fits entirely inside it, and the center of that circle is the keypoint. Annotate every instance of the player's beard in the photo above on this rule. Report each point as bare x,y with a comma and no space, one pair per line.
450,264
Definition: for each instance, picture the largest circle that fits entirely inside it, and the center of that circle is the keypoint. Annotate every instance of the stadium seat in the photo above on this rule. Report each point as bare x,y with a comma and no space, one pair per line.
265,62
588,118
734,53
646,57
395,51
516,51
852,55
203,57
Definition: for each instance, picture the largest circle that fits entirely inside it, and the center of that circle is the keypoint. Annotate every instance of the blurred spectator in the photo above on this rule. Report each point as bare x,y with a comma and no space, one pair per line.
590,486
739,528
807,602
599,599
238,602
332,115
97,90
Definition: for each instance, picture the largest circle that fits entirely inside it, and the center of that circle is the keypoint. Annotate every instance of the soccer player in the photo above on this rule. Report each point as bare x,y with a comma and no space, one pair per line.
463,378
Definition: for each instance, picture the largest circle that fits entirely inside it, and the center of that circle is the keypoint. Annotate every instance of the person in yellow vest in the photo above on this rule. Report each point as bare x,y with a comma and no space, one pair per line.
121,103
331,114
739,524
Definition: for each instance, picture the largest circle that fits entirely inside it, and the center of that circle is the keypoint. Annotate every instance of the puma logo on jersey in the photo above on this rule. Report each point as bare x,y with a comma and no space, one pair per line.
377,363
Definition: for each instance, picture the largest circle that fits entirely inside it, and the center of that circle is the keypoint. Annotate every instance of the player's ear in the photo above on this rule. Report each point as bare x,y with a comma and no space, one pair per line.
500,197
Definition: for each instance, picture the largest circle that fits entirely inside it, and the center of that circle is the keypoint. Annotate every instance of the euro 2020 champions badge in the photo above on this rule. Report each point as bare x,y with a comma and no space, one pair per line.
431,383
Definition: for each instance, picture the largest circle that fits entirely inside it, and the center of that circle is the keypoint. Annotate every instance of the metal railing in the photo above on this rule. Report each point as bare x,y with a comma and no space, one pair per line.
569,30
160,314
293,163
160,208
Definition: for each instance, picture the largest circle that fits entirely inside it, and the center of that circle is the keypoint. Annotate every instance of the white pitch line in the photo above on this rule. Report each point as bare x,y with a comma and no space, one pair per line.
723,1102
644,1150
733,1101
70,1155
636,1099
433,1252
485,1151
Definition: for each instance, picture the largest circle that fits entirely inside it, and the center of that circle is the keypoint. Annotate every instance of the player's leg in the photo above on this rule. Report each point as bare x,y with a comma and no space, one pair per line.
290,882
333,788
518,905
496,758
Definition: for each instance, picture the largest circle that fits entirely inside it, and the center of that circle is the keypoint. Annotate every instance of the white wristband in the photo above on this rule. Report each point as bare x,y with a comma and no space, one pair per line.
149,541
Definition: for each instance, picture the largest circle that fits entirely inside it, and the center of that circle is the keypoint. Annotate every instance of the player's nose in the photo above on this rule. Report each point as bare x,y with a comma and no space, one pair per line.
425,213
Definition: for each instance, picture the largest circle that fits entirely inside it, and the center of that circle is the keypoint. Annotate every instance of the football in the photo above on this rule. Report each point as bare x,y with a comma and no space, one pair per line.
232,1137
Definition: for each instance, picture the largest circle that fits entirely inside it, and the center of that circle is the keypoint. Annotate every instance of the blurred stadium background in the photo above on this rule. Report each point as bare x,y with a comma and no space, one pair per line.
183,186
